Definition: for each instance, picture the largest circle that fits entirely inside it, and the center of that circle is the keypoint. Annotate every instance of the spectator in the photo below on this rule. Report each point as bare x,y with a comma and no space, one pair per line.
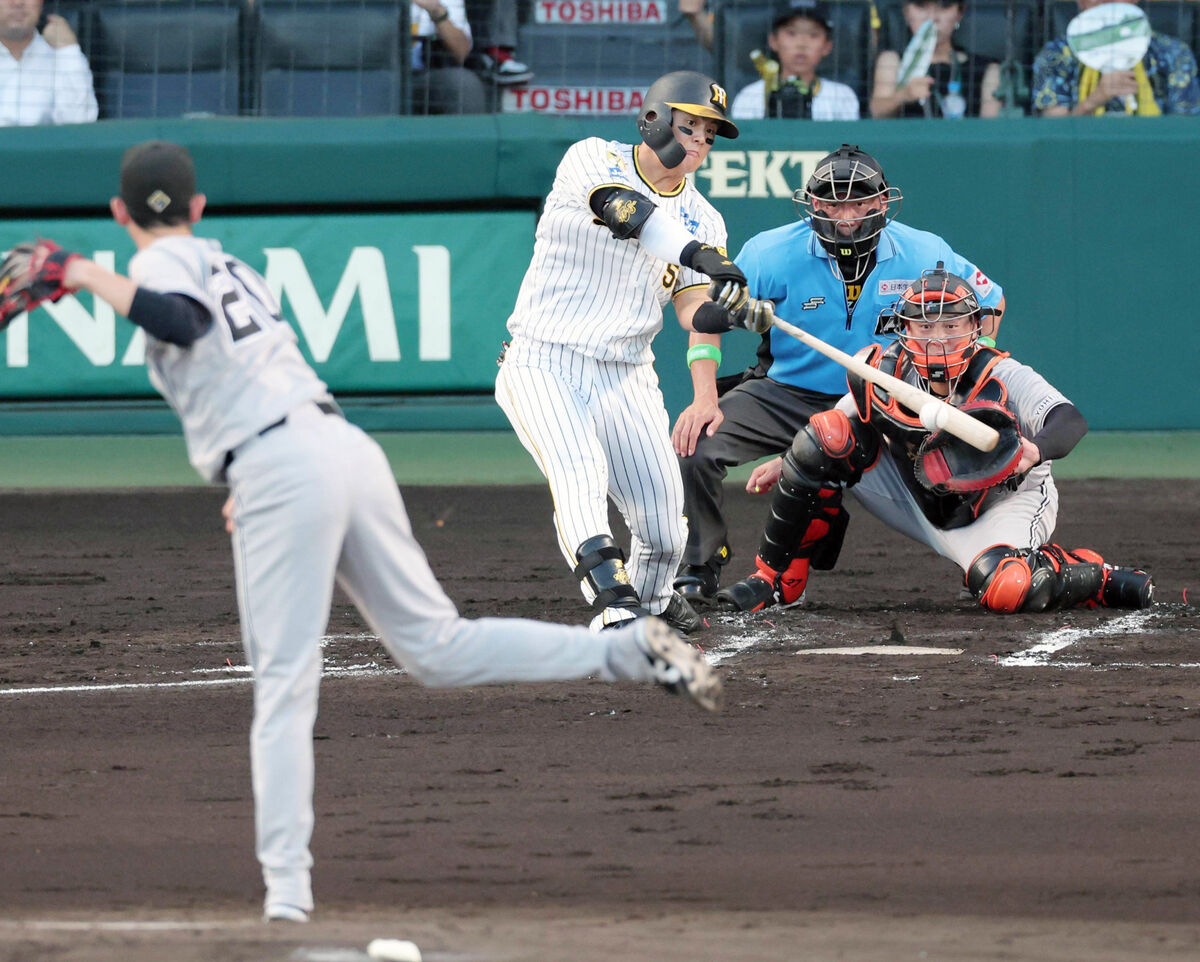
441,43
979,79
500,30
701,19
44,77
1163,83
801,37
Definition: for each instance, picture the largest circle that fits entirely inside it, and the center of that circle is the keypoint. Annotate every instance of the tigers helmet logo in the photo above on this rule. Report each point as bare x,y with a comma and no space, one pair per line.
625,210
719,97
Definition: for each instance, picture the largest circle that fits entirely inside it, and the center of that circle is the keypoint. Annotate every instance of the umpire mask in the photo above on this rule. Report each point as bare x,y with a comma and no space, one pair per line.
848,176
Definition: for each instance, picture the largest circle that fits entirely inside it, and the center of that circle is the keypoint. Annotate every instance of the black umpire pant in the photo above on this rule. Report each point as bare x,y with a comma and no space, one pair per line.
762,417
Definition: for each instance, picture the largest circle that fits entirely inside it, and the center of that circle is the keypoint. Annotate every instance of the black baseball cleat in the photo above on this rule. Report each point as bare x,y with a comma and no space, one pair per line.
679,667
756,593
681,616
696,584
749,594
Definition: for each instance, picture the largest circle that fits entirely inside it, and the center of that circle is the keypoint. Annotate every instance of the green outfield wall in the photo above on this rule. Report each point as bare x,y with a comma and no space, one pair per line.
397,246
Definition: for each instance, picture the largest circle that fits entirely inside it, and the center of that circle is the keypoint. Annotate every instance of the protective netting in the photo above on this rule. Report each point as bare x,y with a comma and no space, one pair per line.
169,58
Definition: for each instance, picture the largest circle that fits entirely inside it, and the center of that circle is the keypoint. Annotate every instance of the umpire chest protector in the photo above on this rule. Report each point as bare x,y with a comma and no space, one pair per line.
903,432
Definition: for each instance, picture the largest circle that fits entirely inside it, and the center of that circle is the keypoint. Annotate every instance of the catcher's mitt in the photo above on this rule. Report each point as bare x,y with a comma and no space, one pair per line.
947,464
30,274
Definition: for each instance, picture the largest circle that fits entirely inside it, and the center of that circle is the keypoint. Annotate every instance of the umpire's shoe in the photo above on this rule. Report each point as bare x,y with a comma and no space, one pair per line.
698,583
681,616
679,667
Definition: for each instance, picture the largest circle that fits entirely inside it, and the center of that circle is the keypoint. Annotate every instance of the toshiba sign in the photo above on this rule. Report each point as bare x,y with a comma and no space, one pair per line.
572,100
600,11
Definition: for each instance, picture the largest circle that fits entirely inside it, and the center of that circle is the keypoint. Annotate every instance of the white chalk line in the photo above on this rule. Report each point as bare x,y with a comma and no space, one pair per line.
1038,655
131,925
243,675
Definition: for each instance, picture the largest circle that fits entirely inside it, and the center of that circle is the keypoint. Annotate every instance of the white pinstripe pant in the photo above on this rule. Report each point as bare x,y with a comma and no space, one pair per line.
599,430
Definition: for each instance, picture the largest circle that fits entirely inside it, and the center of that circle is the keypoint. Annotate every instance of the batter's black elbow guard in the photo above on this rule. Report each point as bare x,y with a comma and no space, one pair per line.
622,211
712,318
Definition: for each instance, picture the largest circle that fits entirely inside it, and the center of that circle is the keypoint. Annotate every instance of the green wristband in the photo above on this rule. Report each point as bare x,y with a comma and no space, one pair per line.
703,352
986,341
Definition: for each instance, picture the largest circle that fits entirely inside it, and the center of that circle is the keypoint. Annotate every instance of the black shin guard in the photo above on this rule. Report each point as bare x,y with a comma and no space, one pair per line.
602,566
805,521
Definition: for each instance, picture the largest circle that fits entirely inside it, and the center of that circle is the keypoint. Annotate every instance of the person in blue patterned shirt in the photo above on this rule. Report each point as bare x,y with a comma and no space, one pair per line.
1163,83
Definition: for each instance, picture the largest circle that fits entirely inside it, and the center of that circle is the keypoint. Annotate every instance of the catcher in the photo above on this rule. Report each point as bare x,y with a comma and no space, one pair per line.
991,513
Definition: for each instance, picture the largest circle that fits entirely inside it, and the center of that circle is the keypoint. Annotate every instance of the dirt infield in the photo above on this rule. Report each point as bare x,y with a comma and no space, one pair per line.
1033,797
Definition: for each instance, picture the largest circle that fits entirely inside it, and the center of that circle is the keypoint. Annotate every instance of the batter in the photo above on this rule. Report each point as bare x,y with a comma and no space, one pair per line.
314,502
624,231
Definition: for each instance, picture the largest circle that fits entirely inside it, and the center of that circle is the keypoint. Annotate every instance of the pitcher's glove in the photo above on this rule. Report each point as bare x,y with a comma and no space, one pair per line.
30,274
946,464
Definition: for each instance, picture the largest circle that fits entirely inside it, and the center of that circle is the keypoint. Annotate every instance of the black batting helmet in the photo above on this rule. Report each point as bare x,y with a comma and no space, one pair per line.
937,295
849,174
684,90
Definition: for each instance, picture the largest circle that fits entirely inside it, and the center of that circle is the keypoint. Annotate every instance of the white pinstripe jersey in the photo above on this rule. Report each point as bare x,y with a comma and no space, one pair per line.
584,288
245,372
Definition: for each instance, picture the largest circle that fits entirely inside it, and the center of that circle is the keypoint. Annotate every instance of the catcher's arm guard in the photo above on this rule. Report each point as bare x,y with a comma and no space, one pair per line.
945,464
32,273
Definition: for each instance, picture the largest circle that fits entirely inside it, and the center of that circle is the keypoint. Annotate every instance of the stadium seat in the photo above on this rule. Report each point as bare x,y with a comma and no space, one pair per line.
609,55
166,60
327,58
1175,18
743,27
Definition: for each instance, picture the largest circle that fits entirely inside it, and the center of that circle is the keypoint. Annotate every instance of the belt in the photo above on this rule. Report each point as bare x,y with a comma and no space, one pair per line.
325,407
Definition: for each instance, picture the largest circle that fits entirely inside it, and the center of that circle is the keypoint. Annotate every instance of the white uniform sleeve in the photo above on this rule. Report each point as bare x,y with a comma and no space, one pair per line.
589,164
74,95
711,231
170,271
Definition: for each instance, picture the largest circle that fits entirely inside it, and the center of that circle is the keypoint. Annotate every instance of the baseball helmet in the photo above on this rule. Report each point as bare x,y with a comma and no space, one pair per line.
937,295
684,90
848,174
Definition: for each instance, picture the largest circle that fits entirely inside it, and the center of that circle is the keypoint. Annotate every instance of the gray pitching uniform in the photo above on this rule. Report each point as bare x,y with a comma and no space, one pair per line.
316,502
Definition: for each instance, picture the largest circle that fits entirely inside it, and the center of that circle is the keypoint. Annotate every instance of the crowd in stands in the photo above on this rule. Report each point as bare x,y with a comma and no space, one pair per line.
76,61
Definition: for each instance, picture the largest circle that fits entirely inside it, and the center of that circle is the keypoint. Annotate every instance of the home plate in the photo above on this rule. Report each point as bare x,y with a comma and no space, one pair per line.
881,650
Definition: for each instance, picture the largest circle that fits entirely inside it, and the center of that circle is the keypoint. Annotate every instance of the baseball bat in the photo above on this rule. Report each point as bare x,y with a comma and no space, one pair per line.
933,411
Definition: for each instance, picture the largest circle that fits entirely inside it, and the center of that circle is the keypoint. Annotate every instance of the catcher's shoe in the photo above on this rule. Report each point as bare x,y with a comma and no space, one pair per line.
1122,587
679,667
767,588
681,616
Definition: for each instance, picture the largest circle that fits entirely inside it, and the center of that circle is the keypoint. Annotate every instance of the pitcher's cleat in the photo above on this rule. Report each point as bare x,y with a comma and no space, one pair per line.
281,912
679,667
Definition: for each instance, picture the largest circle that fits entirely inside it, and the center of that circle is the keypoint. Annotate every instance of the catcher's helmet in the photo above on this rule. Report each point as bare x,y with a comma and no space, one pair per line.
937,295
848,174
684,90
